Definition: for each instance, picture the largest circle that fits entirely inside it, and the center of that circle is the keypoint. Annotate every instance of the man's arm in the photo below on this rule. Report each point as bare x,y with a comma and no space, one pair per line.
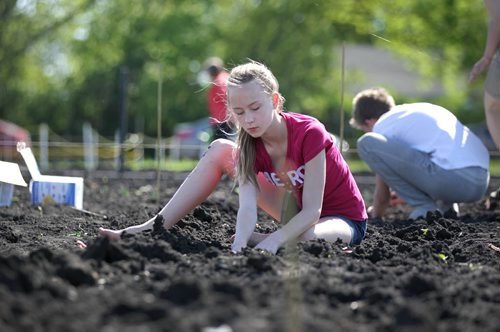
381,198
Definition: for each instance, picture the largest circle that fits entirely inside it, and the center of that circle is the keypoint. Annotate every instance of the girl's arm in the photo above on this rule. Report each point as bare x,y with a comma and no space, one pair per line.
247,216
312,202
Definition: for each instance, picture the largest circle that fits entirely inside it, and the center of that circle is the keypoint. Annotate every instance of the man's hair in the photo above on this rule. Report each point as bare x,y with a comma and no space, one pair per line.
370,104
213,66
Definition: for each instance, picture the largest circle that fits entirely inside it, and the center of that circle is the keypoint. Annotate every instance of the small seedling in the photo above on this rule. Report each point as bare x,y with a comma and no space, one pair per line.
443,257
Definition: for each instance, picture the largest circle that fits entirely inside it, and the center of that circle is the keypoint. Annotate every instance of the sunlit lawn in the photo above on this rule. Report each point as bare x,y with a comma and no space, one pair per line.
356,165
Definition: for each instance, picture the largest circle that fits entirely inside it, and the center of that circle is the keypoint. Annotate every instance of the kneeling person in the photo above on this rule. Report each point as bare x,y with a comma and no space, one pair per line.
421,151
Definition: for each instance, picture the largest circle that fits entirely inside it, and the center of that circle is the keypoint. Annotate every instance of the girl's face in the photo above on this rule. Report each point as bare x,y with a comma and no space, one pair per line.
252,107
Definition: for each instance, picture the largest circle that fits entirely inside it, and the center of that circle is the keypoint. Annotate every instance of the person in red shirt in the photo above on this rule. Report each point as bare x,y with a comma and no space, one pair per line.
217,99
279,158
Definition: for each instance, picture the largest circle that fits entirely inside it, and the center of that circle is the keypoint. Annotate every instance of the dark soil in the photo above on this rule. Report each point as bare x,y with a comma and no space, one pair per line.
437,274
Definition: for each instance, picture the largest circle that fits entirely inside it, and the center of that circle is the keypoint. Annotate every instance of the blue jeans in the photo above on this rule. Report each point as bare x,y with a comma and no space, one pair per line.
358,230
415,178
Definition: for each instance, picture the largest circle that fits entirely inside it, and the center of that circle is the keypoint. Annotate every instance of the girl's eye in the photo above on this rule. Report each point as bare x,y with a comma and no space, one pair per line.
255,108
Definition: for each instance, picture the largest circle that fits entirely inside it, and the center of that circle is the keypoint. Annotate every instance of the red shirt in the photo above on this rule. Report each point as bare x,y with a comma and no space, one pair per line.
306,138
217,98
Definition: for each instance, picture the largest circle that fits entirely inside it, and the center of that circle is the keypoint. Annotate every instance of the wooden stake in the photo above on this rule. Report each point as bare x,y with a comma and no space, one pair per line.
158,148
341,133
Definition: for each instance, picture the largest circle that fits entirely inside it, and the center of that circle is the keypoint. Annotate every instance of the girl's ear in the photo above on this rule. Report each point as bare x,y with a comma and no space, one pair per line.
276,99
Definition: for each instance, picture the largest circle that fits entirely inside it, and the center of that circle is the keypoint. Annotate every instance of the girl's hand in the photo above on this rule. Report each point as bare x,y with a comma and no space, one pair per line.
395,199
269,245
237,247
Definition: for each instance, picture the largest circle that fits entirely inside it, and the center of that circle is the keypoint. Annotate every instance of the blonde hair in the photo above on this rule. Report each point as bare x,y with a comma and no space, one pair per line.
246,143
370,104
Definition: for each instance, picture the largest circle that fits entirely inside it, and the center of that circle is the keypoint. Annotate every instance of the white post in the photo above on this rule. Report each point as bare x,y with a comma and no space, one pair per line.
43,131
117,149
175,150
89,147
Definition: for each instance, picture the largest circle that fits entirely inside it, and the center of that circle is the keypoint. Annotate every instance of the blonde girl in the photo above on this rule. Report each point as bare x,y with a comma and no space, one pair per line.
275,152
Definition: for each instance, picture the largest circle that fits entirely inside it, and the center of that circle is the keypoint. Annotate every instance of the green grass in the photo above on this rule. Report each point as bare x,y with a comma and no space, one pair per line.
495,167
186,165
183,165
357,165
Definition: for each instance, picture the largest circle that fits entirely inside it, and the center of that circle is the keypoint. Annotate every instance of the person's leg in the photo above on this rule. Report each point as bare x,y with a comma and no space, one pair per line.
463,185
492,112
333,228
492,99
328,228
403,169
201,182
416,179
196,188
269,199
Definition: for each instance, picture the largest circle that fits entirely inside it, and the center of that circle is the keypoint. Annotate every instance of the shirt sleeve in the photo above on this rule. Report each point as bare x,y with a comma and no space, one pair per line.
316,138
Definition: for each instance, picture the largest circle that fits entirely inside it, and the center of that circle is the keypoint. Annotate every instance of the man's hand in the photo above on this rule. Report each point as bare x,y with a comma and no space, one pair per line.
396,200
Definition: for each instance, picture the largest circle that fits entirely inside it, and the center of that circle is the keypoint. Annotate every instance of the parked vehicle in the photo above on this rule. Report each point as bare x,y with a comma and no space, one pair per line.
191,139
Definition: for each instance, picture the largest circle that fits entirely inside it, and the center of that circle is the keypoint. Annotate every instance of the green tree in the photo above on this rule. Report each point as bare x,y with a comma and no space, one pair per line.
64,69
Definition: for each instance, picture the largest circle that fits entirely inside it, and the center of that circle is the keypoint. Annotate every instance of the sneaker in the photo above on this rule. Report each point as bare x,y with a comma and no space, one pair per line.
452,212
449,210
493,200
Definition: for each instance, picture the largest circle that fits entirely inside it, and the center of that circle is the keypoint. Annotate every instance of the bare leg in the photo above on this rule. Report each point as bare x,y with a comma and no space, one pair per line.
492,112
270,197
196,188
270,200
201,182
329,229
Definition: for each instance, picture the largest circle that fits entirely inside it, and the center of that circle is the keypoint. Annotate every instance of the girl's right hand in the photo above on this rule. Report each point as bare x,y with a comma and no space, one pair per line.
110,233
237,247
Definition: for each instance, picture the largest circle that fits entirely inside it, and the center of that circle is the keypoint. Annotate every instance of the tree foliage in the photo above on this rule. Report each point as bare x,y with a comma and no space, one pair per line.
60,60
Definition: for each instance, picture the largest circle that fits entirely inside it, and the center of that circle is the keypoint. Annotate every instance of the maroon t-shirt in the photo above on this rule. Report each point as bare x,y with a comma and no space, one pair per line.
306,138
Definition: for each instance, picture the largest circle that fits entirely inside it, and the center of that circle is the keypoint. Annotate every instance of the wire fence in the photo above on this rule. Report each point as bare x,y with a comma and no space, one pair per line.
137,151
93,151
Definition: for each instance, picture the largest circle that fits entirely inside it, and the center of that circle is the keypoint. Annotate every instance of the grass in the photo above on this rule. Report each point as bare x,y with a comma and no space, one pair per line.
171,165
186,165
357,165
495,167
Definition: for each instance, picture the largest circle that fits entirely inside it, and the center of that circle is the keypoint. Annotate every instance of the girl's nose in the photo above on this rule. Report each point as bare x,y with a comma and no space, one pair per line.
248,117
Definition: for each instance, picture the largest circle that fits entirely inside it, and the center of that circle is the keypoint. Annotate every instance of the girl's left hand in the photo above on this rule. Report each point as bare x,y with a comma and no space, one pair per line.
269,245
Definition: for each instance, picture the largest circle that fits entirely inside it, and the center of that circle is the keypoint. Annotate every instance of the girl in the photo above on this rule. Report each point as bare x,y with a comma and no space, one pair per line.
275,152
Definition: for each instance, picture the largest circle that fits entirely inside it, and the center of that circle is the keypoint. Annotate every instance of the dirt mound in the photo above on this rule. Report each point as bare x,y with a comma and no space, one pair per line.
435,274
